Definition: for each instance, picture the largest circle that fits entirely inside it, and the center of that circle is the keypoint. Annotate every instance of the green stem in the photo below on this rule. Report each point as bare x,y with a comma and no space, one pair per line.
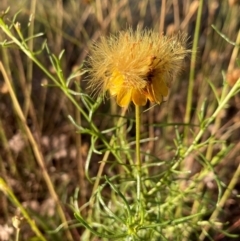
138,156
138,120
192,68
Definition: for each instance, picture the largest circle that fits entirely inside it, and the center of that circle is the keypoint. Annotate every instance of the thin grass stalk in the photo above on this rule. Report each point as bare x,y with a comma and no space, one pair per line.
3,138
176,14
217,124
59,23
142,6
162,16
222,202
234,53
36,151
60,85
121,133
221,106
210,148
26,81
199,135
41,110
29,75
201,185
151,143
79,157
6,58
8,192
6,53
99,175
190,87
5,144
192,69
3,199
99,11
100,170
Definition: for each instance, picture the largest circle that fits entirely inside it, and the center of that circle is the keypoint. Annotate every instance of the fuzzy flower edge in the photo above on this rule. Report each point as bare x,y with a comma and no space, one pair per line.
136,65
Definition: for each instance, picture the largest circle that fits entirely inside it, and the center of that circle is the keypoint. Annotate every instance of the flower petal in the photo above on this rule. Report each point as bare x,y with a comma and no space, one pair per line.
115,83
159,86
151,95
139,98
124,96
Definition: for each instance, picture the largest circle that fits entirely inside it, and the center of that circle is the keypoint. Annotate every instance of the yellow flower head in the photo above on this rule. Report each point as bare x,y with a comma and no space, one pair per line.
136,66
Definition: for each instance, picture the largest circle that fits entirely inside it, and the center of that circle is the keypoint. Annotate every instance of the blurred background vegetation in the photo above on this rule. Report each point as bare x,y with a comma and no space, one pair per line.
72,25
